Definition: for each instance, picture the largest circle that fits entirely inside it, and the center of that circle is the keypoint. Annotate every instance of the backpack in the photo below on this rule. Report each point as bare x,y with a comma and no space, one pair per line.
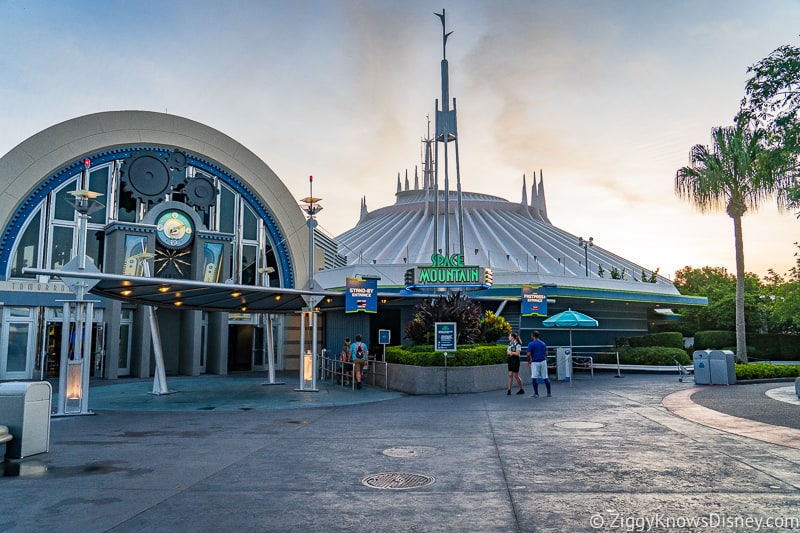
359,351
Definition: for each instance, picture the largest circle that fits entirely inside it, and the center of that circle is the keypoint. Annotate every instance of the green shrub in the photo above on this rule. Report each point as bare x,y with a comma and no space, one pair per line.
469,355
766,371
670,339
653,355
714,340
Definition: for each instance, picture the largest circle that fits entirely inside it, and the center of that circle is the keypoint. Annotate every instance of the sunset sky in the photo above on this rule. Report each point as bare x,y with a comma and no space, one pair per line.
605,97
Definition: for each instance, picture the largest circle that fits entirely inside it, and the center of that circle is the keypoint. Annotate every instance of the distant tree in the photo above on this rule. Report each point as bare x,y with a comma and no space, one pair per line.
719,287
736,174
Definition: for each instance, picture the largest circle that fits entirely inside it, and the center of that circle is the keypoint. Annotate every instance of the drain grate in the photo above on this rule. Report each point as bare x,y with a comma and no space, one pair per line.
397,480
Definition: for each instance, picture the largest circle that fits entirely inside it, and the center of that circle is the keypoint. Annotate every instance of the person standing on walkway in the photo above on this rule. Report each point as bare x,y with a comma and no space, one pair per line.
359,354
345,362
513,352
537,360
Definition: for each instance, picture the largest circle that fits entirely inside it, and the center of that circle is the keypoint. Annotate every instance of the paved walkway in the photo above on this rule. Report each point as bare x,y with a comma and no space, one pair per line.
231,454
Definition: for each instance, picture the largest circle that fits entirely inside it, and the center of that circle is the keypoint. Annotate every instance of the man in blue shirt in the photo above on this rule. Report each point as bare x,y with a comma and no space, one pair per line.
537,360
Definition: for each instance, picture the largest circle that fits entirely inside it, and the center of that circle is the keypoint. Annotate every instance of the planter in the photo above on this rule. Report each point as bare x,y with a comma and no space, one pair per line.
453,380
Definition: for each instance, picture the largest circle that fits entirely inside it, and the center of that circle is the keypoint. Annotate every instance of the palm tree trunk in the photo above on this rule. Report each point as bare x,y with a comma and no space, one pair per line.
741,341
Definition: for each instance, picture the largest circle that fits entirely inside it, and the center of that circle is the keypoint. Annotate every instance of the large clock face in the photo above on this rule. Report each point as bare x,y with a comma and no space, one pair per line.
174,229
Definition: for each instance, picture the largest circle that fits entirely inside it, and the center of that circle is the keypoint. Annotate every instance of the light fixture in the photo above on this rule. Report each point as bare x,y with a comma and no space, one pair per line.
243,308
126,292
329,299
586,245
178,303
383,300
277,296
236,294
163,289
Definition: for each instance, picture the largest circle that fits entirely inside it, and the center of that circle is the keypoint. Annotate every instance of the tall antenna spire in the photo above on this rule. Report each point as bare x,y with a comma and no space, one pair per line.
446,132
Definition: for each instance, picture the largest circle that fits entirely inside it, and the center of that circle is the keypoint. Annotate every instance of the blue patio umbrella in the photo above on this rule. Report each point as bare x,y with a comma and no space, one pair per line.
570,319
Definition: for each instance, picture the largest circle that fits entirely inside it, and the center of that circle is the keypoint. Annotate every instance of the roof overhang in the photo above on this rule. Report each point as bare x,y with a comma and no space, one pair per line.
200,295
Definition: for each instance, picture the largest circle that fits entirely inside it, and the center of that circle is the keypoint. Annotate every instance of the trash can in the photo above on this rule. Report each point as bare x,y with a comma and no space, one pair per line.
564,364
702,373
25,409
722,366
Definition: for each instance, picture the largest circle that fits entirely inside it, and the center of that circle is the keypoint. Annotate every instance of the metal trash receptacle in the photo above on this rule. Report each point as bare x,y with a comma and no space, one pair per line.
564,364
25,409
702,372
722,366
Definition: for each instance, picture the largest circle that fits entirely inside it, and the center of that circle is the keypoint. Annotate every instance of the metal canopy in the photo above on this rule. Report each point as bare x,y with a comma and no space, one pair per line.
191,294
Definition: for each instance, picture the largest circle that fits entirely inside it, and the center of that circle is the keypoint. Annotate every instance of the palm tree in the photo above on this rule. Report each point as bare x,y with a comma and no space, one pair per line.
736,176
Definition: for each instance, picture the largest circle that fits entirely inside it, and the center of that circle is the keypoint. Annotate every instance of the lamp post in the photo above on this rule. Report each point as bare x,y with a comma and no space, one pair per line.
73,393
308,360
586,245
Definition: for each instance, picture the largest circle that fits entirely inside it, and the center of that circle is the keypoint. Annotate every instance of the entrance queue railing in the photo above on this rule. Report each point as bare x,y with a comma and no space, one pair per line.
338,372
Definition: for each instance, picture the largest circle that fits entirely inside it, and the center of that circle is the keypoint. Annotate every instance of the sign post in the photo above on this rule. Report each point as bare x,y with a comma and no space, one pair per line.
445,341
384,338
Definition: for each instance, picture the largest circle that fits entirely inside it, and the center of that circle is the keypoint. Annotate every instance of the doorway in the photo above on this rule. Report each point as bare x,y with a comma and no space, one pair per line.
240,347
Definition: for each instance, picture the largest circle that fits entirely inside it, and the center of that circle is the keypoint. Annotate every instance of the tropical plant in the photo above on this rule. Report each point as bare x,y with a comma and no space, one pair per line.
494,327
773,101
736,174
452,308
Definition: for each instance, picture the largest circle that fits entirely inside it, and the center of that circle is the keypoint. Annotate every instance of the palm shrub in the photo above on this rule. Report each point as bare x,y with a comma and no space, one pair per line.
451,308
494,327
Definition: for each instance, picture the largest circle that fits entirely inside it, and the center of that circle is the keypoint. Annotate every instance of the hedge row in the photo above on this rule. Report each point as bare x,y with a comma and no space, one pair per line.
766,370
474,355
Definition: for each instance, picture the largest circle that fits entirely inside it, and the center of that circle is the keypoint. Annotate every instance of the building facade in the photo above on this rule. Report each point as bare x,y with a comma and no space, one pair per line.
204,206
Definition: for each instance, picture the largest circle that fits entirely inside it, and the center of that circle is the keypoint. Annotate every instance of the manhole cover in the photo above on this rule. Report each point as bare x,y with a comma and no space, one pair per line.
409,451
579,425
397,480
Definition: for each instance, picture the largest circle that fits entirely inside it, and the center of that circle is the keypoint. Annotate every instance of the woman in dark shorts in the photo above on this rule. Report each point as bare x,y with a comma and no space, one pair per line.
514,348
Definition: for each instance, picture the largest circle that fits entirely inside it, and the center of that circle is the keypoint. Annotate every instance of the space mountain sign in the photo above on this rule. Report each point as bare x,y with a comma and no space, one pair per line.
448,272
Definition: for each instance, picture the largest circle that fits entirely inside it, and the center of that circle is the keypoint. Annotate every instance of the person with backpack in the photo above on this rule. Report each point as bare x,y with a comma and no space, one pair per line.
359,354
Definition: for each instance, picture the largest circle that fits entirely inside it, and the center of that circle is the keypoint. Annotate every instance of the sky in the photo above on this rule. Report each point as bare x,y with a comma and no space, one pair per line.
605,98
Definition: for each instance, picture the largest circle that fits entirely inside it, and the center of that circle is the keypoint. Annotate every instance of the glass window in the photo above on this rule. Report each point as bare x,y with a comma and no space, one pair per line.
27,253
62,246
17,360
98,182
249,263
126,207
124,342
94,247
19,312
249,224
227,210
62,209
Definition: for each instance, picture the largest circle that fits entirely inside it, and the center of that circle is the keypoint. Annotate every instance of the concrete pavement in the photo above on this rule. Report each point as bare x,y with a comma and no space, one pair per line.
603,453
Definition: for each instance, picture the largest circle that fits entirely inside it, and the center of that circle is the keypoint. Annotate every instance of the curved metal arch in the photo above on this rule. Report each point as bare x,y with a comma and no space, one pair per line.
69,171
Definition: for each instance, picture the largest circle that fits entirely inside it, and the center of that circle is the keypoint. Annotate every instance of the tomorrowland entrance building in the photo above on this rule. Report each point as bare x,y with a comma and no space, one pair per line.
187,201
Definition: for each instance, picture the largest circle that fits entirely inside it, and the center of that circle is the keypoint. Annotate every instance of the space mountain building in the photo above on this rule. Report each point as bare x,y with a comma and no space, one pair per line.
528,268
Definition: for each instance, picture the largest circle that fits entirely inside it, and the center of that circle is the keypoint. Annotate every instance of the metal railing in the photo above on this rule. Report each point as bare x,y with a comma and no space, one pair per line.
338,372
